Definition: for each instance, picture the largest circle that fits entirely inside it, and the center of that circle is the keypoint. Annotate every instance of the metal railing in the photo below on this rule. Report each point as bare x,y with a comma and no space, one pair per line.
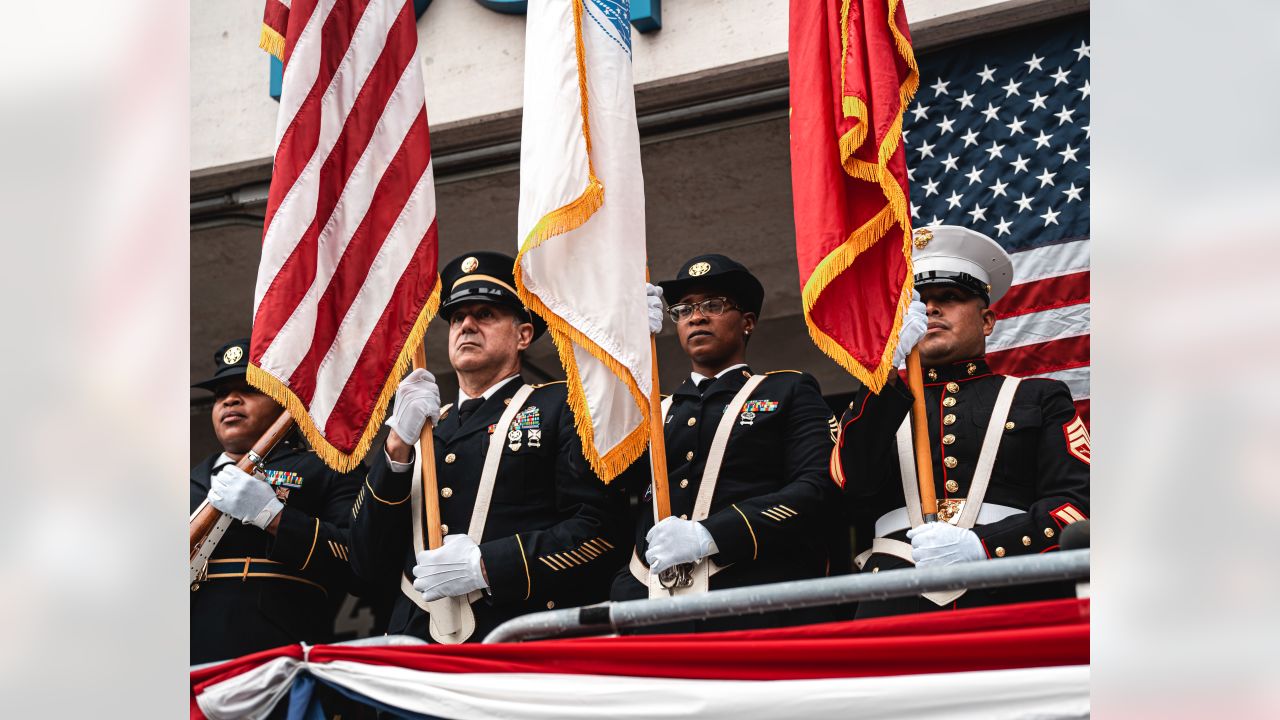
610,617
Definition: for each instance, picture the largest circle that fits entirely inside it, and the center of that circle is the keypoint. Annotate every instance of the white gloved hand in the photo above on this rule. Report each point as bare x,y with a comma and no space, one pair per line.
244,497
417,401
451,570
914,325
675,542
939,543
653,299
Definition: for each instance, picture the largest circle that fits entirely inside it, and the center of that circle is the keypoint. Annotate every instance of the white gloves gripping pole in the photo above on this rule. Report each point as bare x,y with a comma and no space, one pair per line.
244,497
676,542
939,543
451,570
417,401
914,325
653,299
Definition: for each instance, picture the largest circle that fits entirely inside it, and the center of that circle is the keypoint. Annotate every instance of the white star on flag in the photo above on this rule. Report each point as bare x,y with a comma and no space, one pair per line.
1011,88
950,162
970,138
954,201
946,124
998,188
1015,127
1023,203
994,151
1064,115
978,213
926,150
1020,165
988,74
940,87
920,111
1073,193
965,100
1050,217
1034,62
930,188
1045,177
1002,227
1042,141
1082,52
1060,77
974,175
1037,102
1069,154
991,112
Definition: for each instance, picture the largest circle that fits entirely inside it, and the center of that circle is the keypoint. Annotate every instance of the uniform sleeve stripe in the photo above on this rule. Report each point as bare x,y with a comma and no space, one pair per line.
528,577
755,544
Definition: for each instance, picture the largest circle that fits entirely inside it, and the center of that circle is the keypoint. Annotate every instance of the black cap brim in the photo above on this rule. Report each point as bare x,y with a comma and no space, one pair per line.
742,286
234,373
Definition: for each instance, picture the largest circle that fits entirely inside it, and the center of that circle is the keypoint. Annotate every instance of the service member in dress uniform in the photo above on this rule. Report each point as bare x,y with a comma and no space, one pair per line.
1010,457
551,534
766,514
277,576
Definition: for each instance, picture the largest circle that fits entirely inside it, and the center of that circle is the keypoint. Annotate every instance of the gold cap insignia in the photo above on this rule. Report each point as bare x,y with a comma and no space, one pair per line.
701,268
470,264
921,238
232,355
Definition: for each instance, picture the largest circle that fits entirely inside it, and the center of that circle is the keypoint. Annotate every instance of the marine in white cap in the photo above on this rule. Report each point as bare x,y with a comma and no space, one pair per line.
1010,456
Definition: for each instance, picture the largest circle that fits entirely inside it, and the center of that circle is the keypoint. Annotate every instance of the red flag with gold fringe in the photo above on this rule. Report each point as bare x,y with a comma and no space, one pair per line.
348,276
853,73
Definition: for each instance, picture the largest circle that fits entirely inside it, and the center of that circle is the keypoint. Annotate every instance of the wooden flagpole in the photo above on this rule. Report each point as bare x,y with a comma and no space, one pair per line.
920,438
430,486
657,442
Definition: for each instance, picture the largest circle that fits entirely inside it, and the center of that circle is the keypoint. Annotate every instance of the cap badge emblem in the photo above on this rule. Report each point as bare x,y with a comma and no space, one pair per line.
232,355
921,238
471,263
699,269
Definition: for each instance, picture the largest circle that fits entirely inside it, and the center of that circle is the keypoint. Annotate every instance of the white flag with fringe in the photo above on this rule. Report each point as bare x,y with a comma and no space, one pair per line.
582,234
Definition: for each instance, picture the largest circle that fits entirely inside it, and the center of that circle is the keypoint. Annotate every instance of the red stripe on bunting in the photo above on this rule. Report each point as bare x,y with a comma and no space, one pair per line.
1047,294
299,12
1072,352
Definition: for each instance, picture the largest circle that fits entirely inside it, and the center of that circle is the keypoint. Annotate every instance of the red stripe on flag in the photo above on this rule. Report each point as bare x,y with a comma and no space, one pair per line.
1041,358
385,342
389,200
299,141
1054,292
299,12
299,271
276,17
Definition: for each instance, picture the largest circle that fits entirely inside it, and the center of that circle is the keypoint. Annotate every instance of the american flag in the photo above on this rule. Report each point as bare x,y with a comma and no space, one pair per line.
998,141
348,274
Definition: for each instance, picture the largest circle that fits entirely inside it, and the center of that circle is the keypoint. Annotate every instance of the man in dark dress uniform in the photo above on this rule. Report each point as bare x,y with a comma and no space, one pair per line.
766,515
276,576
551,534
1010,458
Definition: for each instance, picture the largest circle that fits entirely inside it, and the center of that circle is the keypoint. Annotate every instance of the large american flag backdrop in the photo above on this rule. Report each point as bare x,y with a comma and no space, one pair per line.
998,141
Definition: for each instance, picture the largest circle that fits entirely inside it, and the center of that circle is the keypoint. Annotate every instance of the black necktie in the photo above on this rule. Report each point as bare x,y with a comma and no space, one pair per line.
703,384
468,407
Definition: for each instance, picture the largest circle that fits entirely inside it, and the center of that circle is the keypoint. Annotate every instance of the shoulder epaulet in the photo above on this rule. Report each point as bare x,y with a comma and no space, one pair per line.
663,397
775,372
545,384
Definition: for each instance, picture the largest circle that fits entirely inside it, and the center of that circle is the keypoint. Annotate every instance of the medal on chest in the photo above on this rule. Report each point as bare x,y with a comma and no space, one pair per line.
753,407
528,421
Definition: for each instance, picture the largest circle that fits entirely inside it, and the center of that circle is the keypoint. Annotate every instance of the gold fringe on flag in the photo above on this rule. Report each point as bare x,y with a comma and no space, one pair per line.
333,457
272,41
559,221
895,212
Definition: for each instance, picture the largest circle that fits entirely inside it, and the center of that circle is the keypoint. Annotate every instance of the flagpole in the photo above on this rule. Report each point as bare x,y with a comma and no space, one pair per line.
920,438
430,487
657,443
208,516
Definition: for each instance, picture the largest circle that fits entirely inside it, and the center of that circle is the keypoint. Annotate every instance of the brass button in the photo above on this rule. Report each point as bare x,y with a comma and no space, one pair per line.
949,419
693,421
948,401
684,482
875,569
953,486
1048,532
851,405
948,439
950,462
507,401
1026,541
1009,425
971,368
999,552
933,374
444,529
448,459
446,492
195,587
688,455
684,516
953,387
551,604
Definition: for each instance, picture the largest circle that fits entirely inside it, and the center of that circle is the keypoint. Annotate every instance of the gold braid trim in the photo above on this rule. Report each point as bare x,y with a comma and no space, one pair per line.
332,456
565,335
895,211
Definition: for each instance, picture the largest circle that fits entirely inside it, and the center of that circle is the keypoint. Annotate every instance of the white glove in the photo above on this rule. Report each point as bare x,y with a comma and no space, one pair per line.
450,570
244,497
417,401
914,325
675,542
653,298
939,543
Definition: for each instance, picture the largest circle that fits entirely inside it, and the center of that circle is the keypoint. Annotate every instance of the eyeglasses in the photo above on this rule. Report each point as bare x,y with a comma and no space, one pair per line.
711,307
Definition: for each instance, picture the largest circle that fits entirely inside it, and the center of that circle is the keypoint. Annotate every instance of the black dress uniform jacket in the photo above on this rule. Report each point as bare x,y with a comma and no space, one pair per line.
1042,468
290,587
772,511
553,531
